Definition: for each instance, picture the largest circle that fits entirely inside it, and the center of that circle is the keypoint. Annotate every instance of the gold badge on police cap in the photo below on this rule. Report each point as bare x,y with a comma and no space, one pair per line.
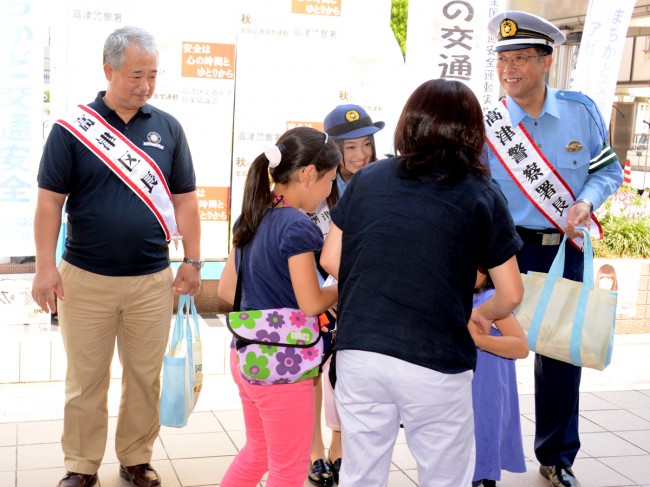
352,116
508,28
574,146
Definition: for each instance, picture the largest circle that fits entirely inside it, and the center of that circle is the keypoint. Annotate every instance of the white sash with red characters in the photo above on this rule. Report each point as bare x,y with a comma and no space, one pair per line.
132,165
531,171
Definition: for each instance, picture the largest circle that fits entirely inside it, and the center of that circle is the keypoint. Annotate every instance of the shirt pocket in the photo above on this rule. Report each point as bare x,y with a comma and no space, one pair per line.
578,160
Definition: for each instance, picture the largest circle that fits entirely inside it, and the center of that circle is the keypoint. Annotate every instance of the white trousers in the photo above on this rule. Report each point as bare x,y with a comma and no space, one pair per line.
374,392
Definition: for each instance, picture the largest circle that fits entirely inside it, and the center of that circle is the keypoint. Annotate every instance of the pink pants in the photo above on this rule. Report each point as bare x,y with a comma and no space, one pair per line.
279,426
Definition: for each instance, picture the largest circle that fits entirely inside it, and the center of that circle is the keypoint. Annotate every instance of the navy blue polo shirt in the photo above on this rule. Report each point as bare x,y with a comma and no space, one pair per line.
408,263
110,231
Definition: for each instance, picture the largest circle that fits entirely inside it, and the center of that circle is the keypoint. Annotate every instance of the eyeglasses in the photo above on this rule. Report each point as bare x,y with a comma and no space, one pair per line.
517,60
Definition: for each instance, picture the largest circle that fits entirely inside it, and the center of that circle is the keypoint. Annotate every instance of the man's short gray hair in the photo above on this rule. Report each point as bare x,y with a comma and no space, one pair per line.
116,44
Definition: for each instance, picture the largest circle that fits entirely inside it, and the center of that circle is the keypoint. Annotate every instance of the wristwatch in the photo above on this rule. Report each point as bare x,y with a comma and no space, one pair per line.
582,200
195,263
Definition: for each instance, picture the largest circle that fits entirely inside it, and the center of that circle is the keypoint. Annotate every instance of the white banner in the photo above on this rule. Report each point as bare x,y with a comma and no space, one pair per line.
298,59
21,122
292,61
449,39
601,50
195,84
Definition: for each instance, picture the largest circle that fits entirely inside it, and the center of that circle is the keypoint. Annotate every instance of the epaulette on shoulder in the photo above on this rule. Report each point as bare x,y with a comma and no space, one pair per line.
575,96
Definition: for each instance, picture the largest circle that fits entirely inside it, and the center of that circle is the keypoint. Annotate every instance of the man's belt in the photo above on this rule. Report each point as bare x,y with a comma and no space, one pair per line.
540,237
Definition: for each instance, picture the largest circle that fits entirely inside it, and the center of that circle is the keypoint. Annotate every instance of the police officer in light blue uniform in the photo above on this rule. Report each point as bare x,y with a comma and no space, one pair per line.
570,132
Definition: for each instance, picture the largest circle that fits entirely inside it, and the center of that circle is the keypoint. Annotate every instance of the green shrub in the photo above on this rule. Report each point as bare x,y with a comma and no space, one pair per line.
398,19
625,218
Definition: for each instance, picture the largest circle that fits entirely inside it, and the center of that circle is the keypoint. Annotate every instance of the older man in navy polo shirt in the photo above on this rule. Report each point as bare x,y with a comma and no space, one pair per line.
124,171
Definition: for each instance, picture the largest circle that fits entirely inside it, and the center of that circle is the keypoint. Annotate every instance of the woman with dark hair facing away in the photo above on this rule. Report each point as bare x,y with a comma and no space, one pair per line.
353,130
406,239
279,271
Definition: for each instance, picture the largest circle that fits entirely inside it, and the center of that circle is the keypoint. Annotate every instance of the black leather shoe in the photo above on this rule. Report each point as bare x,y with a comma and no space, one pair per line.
484,483
74,479
559,476
335,467
142,475
320,473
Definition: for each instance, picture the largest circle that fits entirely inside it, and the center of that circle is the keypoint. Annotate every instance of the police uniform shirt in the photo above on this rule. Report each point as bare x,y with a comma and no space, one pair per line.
566,117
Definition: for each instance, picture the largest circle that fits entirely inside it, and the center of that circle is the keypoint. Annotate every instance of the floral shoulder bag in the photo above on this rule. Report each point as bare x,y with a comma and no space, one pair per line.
274,346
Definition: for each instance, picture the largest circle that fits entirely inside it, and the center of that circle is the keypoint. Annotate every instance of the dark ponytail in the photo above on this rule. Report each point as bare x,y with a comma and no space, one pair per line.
299,147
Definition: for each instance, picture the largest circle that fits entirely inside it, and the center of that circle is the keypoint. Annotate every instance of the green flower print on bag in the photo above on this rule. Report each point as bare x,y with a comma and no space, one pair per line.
300,337
256,366
245,319
276,346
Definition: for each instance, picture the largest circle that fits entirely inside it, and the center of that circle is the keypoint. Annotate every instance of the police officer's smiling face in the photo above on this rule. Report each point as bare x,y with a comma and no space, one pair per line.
357,153
527,79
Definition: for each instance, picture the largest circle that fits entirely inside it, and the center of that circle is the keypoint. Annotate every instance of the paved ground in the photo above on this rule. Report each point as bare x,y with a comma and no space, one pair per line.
615,428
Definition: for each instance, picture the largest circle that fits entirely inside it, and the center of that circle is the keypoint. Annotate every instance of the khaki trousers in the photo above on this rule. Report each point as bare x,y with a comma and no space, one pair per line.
97,311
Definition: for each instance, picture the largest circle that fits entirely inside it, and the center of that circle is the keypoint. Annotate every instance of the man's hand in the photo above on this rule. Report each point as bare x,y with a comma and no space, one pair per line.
188,280
579,216
47,287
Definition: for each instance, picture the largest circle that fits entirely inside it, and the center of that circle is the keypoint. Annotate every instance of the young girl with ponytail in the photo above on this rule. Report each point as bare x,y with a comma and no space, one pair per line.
279,271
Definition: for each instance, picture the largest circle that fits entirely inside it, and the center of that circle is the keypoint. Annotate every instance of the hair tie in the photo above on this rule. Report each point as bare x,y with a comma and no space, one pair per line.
273,154
327,137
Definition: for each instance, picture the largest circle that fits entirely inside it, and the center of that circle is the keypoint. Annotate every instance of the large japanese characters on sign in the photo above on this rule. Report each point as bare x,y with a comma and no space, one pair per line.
206,60
21,122
601,50
213,204
449,39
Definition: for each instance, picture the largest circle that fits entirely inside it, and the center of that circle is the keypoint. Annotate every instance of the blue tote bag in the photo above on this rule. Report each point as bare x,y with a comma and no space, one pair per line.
568,320
182,366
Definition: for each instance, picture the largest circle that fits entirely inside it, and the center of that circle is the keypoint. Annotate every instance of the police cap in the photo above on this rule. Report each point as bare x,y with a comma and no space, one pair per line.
516,30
